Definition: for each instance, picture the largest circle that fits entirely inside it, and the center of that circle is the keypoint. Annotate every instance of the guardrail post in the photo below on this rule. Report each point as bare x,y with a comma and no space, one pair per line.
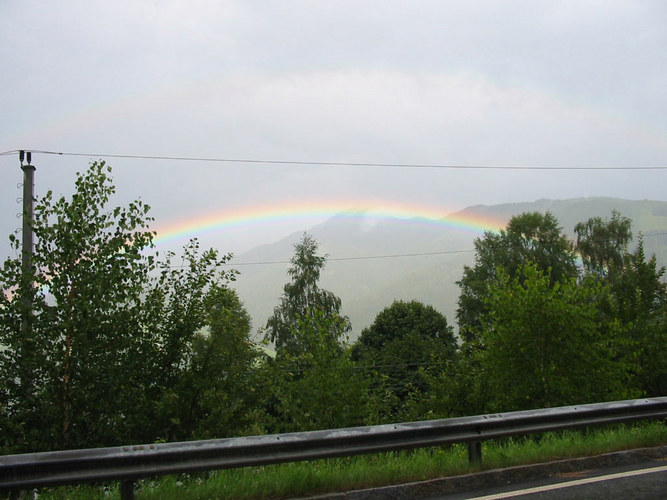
475,452
127,489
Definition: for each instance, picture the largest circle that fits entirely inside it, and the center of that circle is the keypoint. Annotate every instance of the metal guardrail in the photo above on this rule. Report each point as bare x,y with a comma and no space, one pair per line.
129,463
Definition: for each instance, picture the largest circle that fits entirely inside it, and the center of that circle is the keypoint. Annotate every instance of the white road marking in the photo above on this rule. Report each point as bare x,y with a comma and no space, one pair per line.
567,484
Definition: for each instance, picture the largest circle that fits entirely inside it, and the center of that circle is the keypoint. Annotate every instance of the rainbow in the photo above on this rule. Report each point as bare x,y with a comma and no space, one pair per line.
212,223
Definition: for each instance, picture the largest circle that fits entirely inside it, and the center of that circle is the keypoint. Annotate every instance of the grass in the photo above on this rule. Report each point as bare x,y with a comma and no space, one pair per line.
320,476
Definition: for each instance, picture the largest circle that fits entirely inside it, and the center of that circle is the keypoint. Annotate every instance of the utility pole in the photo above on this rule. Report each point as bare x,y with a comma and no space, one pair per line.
28,199
26,378
27,246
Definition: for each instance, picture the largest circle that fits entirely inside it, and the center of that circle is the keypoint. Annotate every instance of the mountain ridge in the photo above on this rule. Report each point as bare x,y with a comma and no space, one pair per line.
372,262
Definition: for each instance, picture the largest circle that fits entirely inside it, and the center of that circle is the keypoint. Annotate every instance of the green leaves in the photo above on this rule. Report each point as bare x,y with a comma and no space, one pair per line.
313,383
84,339
539,333
603,243
529,237
549,345
102,343
409,351
301,298
317,386
113,334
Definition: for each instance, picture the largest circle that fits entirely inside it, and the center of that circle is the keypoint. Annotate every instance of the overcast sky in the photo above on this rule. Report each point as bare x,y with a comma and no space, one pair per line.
491,83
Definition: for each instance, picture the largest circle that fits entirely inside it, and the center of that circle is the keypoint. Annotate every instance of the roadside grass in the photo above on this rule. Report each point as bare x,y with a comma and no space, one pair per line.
342,474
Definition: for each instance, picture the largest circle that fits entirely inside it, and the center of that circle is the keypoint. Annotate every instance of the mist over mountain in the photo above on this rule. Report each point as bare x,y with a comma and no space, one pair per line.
374,261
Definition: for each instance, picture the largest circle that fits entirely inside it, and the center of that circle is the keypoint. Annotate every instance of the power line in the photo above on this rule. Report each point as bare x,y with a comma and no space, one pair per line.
372,257
365,257
369,257
344,164
340,259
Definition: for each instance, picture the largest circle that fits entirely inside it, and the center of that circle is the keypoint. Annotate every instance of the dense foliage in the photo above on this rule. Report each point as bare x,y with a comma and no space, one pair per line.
538,331
104,342
407,350
529,237
302,298
312,381
549,344
100,340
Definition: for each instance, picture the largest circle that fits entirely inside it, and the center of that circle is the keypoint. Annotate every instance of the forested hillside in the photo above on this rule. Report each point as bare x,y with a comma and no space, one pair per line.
367,285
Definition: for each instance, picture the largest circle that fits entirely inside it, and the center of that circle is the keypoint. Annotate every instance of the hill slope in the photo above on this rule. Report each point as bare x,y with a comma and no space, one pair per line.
374,262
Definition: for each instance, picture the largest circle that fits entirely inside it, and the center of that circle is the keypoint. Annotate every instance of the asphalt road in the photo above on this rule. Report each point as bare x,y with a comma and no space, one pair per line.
632,474
643,481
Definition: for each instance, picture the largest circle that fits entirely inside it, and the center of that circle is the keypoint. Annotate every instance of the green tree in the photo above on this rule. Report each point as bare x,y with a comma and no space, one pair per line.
317,386
312,383
84,339
548,344
528,237
408,349
638,286
302,297
640,304
214,390
652,374
639,296
109,328
602,243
